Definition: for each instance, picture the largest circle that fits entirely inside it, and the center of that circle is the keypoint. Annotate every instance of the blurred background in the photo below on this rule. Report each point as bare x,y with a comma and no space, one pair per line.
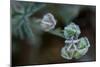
32,46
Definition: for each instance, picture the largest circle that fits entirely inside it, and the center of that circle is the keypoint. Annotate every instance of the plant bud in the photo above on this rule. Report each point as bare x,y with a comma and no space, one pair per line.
72,30
48,22
75,50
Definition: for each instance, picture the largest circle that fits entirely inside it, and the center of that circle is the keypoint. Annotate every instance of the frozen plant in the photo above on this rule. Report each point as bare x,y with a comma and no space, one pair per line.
48,22
74,47
72,30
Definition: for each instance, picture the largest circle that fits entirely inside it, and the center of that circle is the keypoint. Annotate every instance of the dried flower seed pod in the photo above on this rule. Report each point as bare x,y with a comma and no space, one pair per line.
48,22
71,30
74,47
75,50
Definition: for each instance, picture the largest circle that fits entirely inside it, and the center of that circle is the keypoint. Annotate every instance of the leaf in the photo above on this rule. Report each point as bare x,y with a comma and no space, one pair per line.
21,26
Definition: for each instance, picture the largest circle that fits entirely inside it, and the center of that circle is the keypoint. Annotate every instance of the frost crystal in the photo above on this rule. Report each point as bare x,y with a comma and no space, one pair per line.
48,22
74,47
71,30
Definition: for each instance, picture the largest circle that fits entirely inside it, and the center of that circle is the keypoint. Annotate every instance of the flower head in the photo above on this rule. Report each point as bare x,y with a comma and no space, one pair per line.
72,30
74,47
48,22
75,50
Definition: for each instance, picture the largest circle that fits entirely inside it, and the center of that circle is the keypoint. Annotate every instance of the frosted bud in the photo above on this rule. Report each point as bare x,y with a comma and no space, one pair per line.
75,49
72,30
48,22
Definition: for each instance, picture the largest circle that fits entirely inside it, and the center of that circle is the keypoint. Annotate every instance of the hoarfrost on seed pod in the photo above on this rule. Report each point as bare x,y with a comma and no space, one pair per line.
48,22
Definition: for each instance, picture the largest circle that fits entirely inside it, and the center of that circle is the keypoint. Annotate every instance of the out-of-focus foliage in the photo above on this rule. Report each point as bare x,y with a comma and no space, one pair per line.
20,12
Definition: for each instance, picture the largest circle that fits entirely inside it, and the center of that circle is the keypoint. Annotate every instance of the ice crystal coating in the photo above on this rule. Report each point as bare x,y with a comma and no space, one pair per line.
74,47
48,22
71,30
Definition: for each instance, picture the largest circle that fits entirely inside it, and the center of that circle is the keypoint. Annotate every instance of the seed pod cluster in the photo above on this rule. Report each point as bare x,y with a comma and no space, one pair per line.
74,47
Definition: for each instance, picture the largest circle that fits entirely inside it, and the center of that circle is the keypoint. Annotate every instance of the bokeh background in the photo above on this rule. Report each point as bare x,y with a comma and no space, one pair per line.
32,46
